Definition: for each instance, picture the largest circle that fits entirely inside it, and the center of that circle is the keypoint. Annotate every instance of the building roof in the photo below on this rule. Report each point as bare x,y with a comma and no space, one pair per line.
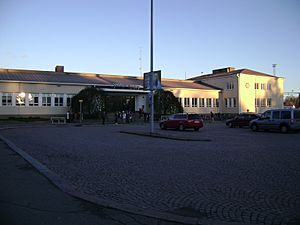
34,76
188,84
69,78
243,71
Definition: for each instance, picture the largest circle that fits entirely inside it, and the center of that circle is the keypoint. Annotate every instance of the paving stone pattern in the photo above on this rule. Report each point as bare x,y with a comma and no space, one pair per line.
239,177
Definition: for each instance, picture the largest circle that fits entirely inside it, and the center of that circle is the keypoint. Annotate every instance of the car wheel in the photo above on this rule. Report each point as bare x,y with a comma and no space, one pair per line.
254,127
230,125
284,129
181,127
196,128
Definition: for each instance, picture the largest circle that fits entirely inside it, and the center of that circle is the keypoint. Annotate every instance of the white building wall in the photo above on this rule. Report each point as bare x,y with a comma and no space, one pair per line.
52,90
14,89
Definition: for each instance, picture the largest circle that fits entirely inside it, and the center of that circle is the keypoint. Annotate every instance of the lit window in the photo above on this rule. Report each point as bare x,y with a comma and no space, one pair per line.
33,99
20,99
6,99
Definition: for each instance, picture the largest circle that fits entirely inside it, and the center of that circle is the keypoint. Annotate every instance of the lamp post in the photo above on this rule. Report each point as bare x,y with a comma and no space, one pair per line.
151,72
80,109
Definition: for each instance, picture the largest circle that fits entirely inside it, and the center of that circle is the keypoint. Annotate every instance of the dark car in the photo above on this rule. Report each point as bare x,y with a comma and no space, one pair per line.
182,121
241,120
284,120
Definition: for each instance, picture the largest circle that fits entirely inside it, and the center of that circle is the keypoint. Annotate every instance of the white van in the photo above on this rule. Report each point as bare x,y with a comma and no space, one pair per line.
278,119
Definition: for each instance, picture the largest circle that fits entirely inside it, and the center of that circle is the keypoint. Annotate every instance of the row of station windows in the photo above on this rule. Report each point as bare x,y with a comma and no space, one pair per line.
35,99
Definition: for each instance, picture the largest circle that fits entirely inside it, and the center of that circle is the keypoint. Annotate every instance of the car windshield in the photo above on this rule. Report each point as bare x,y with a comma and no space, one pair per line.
193,117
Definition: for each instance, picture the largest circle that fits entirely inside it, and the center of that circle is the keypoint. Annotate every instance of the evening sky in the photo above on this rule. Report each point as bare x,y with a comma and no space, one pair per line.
191,37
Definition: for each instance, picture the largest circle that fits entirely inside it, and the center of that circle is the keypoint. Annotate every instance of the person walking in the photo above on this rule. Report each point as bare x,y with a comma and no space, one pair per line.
103,114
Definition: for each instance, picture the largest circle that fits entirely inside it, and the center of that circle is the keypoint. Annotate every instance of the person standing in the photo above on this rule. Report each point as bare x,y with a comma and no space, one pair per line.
212,116
103,117
116,117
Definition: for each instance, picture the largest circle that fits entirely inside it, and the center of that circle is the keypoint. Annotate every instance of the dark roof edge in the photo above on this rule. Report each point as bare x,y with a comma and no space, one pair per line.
239,71
54,83
5,70
208,85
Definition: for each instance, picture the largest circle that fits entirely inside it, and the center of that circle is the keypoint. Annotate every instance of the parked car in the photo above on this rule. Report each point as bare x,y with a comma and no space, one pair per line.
182,121
283,120
241,120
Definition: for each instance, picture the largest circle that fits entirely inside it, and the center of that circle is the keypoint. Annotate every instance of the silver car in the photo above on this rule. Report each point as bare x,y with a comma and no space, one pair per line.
283,120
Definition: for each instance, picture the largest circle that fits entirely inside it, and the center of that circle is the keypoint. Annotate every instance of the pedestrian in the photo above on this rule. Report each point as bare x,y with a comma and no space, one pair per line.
212,116
68,117
124,116
103,117
116,117
127,116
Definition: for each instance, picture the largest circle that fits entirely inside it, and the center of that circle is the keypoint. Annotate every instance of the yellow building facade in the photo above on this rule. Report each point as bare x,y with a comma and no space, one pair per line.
226,91
245,90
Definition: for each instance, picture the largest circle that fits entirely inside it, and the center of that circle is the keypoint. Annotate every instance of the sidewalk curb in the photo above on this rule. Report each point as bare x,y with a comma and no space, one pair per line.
157,135
67,188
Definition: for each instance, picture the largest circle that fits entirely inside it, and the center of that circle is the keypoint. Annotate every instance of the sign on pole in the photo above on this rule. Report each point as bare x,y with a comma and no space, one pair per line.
156,80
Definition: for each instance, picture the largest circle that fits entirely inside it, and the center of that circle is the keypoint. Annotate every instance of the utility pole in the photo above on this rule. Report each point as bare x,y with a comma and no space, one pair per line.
151,72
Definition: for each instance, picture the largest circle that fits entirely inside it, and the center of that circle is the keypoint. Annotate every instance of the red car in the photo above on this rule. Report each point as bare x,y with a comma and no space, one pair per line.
182,121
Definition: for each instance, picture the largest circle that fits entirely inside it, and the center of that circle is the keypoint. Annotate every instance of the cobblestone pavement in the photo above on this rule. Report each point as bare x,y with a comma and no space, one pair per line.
238,177
29,198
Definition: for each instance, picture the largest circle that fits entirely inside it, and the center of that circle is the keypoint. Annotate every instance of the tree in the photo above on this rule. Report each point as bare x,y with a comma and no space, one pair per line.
94,101
166,103
291,101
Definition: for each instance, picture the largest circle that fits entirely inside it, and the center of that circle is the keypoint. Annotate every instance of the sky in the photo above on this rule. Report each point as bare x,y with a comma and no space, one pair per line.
191,37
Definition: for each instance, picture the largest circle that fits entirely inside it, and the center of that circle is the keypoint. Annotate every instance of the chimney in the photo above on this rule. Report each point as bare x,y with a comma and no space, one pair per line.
223,70
59,69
